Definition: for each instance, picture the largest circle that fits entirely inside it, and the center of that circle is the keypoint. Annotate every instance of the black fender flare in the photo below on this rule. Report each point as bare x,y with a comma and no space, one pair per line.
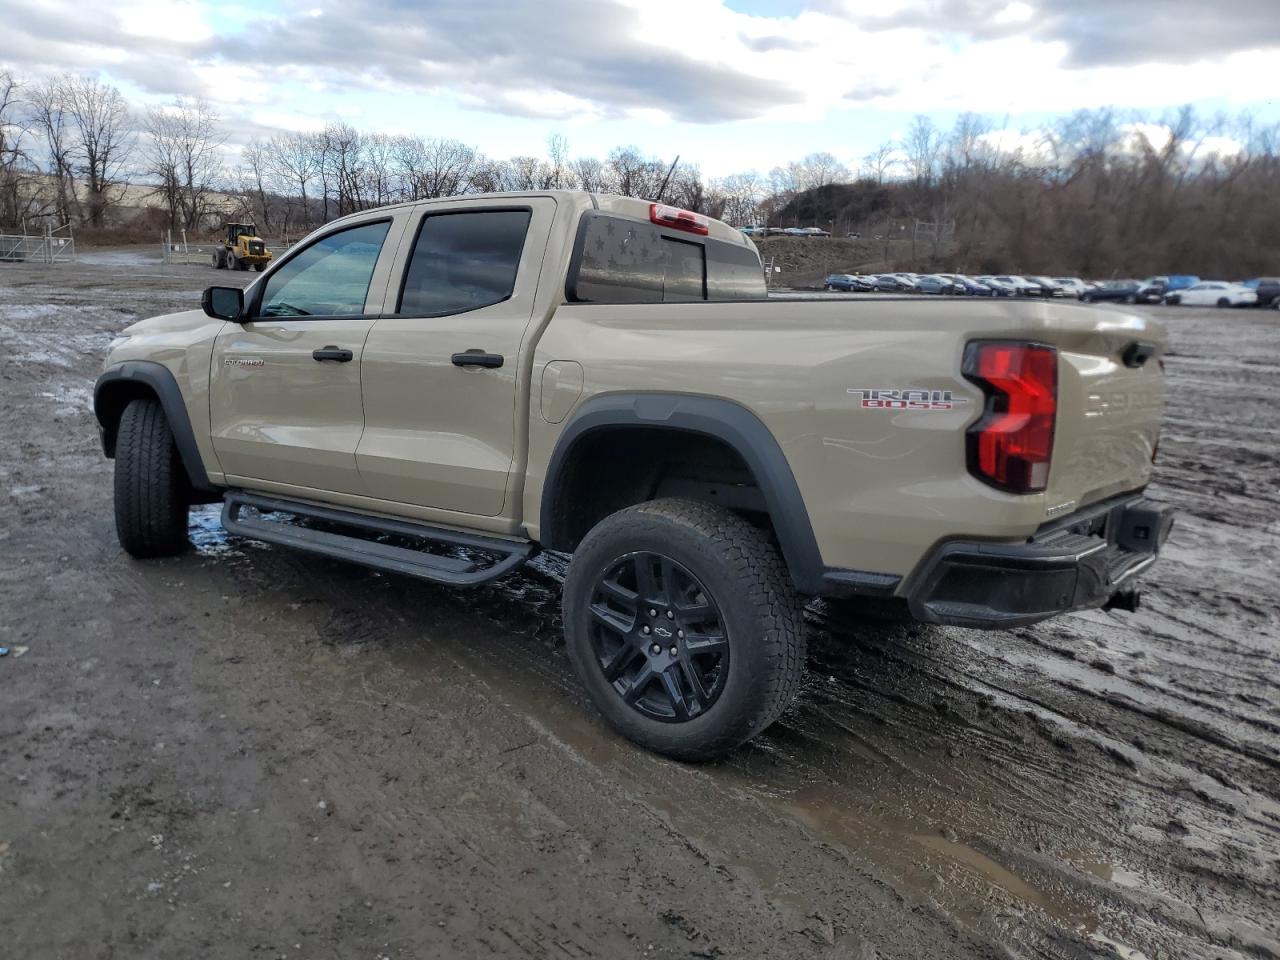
120,384
724,420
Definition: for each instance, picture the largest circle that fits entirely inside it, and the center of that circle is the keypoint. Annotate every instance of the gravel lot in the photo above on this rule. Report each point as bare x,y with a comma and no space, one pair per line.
248,752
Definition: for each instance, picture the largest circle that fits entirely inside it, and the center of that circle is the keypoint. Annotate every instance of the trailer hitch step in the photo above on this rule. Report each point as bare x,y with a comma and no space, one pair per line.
308,526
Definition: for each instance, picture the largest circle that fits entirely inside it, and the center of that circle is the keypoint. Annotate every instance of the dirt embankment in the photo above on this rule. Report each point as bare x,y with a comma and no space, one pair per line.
803,262
249,752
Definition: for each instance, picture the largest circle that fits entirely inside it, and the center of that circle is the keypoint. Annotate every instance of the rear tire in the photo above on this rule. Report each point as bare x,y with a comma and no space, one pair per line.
151,494
217,261
704,558
1131,299
1223,302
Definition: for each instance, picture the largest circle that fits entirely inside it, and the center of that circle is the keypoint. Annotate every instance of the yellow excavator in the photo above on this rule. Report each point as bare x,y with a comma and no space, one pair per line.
242,249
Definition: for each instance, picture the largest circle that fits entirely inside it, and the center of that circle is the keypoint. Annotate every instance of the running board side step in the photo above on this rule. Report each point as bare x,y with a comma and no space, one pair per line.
457,571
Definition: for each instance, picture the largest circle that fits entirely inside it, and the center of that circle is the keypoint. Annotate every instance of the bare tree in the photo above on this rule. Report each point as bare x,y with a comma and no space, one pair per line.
822,169
47,105
255,177
183,150
103,142
12,156
558,154
743,194
295,159
523,173
378,174
964,149
591,174
632,174
923,146
877,164
435,168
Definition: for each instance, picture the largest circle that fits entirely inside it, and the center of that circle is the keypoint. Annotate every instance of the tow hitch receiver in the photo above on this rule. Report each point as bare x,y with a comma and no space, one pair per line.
1127,600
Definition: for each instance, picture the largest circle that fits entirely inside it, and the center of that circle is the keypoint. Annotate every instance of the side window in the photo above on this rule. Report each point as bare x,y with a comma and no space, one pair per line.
463,261
328,279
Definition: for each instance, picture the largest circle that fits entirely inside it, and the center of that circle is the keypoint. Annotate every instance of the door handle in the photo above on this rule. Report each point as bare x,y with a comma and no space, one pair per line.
475,358
332,353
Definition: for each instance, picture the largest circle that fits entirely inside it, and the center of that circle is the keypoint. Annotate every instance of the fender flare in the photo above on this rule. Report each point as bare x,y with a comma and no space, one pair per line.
117,386
736,426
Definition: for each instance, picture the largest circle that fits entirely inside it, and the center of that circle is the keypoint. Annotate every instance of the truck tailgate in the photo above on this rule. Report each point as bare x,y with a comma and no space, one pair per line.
1110,401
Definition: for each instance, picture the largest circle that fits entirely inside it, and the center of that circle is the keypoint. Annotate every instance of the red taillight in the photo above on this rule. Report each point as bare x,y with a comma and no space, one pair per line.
1012,445
677,219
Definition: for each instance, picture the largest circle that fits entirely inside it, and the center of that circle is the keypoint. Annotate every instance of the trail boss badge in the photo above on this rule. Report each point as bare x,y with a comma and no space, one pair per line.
886,398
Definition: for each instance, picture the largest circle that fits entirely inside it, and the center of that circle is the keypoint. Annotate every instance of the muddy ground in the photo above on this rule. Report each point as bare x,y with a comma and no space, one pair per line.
246,752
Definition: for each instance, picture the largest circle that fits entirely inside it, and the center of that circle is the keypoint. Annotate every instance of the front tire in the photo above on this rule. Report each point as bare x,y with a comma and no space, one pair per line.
151,494
1223,302
696,579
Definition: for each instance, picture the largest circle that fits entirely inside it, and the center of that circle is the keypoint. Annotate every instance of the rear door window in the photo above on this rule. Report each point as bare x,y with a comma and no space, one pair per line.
463,261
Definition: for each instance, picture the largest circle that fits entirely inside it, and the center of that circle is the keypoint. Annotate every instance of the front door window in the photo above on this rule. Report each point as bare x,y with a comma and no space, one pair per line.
328,279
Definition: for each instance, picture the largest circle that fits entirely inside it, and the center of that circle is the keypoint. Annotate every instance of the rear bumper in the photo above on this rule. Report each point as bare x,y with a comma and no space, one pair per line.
1077,562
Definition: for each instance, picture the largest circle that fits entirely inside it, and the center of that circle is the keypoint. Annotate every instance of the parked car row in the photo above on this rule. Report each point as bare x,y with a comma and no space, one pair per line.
953,284
1175,289
1188,291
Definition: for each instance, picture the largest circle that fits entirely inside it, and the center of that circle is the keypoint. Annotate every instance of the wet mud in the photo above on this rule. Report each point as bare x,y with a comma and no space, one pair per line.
250,752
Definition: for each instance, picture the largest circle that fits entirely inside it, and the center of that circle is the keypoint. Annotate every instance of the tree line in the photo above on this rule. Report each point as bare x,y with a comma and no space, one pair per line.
1096,192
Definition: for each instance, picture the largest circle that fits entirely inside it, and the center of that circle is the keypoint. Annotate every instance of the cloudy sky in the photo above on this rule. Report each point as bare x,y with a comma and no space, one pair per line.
728,83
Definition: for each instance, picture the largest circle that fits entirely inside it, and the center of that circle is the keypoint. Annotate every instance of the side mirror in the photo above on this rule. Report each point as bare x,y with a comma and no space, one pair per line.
223,303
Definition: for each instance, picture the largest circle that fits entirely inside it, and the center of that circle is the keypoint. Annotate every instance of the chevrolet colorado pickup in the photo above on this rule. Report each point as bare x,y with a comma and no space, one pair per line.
442,388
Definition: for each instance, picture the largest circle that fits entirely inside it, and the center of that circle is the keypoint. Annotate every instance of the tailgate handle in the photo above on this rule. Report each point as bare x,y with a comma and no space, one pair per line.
1136,354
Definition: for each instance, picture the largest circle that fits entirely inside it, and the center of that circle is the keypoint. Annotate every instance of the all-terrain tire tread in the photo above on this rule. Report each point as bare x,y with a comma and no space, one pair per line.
150,486
766,587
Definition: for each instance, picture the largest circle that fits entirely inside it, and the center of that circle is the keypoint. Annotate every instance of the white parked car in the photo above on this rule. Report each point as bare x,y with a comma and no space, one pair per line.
1211,293
1073,286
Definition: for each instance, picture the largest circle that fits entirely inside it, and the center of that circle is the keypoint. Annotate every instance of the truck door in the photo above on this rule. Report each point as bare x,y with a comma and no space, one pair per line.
284,391
441,372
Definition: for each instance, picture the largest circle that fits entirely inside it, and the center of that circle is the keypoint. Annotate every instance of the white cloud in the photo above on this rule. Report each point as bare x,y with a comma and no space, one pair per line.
658,65
174,21
1016,12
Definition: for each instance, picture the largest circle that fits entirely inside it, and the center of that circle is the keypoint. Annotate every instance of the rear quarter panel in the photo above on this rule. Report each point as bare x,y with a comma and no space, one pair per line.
881,486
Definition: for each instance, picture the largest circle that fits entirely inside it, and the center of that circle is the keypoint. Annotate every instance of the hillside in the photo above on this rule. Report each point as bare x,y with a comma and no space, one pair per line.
805,261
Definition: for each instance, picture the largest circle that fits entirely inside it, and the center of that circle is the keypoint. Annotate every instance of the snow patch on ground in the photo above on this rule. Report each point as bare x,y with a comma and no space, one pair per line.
69,399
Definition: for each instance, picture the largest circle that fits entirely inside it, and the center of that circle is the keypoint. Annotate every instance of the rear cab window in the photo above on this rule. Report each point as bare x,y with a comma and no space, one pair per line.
618,260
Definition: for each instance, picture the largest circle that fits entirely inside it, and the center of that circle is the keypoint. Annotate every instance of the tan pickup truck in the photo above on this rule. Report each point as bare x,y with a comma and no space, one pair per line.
443,388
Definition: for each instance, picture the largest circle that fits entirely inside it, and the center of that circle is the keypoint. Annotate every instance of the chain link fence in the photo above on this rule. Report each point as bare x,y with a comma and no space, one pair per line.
55,245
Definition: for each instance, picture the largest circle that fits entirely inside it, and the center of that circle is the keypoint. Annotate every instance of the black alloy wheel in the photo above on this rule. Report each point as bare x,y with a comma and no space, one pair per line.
658,637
